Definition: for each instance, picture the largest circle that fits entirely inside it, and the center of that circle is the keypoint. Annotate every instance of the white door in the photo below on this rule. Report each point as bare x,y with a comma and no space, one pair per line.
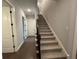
7,44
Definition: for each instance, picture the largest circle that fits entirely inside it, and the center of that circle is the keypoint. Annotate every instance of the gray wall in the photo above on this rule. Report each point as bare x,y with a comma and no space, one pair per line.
61,15
18,22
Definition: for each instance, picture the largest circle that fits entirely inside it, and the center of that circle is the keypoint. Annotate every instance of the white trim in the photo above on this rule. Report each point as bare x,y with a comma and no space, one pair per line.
74,48
7,50
56,37
17,49
10,3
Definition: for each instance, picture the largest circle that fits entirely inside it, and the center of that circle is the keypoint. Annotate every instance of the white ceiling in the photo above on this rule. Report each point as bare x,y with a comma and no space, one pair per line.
44,4
31,4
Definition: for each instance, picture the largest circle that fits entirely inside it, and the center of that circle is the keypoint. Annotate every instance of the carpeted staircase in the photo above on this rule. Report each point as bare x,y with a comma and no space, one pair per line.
49,46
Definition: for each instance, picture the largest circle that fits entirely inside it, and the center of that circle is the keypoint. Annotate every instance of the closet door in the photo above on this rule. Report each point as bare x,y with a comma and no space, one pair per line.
7,44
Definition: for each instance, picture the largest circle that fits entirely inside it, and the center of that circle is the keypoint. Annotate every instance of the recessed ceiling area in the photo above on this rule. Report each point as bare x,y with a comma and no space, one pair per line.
29,6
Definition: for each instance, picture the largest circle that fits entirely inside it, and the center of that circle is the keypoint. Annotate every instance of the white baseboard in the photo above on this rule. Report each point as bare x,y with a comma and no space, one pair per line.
57,38
11,50
7,50
17,49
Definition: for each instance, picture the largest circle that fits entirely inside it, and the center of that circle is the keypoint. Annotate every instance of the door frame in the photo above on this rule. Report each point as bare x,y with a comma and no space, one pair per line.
23,26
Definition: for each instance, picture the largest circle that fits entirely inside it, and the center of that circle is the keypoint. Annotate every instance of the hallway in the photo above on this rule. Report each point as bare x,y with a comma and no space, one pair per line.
39,29
27,51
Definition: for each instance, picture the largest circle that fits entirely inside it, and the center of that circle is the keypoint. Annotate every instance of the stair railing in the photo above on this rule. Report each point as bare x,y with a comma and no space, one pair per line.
38,42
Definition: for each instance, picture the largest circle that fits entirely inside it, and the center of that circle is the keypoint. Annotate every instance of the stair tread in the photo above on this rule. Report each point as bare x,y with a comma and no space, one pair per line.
45,32
43,25
48,41
44,28
51,55
50,47
47,36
